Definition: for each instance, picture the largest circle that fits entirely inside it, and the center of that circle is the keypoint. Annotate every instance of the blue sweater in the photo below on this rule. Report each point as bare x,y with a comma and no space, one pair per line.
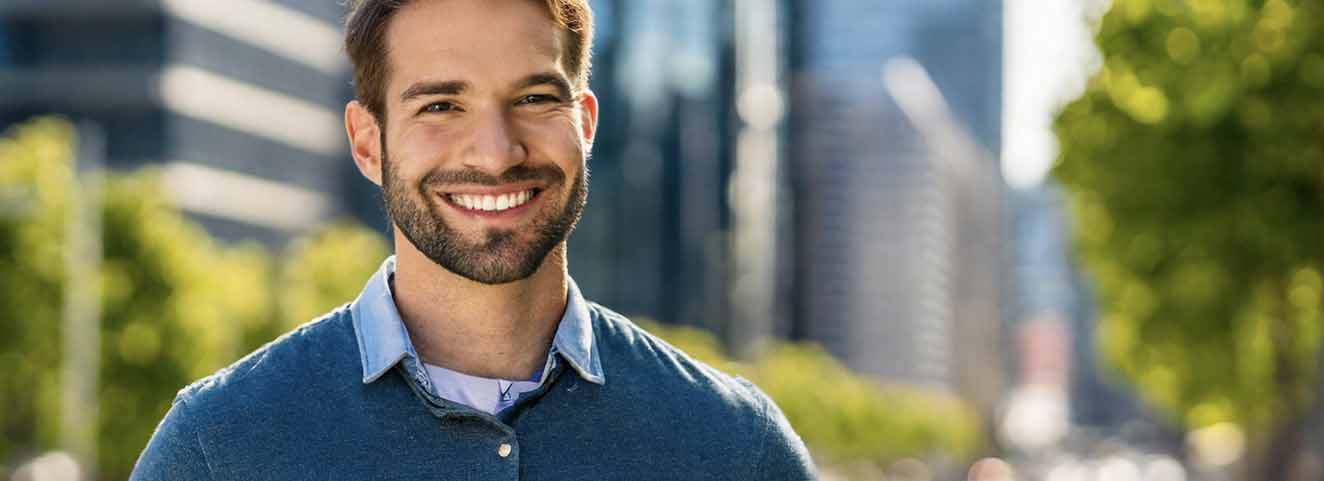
297,409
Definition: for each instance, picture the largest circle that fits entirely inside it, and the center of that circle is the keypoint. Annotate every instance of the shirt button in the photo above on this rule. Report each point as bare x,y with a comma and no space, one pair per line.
503,450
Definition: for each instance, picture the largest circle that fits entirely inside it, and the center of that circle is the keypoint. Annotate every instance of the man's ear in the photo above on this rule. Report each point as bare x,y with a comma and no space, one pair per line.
364,140
588,118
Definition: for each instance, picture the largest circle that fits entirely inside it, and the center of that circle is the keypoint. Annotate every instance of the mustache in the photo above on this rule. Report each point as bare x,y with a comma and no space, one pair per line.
550,174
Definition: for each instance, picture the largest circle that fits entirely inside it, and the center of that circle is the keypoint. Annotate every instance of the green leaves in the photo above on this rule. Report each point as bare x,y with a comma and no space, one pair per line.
1195,166
176,305
328,268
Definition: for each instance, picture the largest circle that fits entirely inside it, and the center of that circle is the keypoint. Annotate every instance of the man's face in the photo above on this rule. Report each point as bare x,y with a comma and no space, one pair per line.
484,143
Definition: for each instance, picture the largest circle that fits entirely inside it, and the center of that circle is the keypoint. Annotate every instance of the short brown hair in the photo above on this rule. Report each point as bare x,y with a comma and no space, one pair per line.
365,41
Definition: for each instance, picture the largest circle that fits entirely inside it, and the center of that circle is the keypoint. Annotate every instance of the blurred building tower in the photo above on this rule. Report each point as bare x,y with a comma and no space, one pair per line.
651,242
237,102
898,242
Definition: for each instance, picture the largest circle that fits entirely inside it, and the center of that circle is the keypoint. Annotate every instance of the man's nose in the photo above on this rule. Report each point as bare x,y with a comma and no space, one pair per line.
495,146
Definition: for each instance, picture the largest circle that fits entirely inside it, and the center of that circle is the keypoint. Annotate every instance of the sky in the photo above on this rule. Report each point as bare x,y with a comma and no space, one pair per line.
1048,55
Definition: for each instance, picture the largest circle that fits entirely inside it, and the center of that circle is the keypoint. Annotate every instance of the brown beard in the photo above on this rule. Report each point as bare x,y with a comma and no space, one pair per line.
500,257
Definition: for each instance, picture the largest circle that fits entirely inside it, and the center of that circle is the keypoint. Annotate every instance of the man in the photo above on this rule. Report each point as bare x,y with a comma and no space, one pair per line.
471,354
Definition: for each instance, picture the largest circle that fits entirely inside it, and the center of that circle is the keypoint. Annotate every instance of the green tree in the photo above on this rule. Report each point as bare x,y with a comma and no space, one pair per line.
33,173
175,305
1195,168
327,268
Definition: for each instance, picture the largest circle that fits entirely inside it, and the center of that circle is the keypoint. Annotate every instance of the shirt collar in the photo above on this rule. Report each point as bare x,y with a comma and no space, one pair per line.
383,340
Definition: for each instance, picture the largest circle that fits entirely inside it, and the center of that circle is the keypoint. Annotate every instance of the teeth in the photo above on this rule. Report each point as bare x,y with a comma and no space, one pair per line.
492,202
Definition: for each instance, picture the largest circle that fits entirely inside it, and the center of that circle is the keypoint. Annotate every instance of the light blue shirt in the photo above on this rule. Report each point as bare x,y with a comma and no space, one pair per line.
384,342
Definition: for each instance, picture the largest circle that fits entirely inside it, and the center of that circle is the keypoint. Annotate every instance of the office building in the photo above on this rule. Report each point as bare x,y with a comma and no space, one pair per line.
898,237
237,102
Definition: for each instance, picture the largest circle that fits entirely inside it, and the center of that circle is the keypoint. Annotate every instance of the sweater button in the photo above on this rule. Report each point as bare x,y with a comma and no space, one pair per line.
503,450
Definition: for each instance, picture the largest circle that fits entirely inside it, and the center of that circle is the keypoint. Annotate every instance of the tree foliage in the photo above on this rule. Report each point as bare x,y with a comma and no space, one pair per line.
327,268
31,276
174,304
1195,168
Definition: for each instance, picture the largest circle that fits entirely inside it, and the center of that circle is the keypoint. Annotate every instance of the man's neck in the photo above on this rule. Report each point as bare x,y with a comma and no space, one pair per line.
493,331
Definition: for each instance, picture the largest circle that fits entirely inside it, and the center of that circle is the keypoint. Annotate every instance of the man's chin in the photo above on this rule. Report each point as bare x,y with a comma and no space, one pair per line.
495,269
498,259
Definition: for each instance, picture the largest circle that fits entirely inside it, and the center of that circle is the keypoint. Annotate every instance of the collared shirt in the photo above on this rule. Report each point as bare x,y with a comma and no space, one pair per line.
384,342
299,408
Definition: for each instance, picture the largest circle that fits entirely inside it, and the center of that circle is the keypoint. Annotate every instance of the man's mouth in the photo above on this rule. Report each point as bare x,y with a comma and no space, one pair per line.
493,202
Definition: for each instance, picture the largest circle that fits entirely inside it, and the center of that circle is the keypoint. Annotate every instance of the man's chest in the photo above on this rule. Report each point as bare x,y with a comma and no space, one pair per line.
574,431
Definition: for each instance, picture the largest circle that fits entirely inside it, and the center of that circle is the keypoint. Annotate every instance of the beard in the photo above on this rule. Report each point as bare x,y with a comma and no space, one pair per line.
499,256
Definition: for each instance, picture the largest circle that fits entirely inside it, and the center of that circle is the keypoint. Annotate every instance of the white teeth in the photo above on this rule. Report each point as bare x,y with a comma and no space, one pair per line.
492,202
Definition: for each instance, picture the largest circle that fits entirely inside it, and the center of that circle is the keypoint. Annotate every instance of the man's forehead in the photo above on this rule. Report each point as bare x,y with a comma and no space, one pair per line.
455,37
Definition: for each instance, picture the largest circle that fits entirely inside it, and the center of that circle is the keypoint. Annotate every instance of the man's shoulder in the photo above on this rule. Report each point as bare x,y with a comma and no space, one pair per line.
676,392
316,350
634,356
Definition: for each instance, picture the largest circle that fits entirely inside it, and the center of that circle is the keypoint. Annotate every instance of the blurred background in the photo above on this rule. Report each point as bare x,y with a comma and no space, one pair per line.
1058,240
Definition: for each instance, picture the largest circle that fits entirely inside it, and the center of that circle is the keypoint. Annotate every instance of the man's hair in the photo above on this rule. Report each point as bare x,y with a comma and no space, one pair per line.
365,41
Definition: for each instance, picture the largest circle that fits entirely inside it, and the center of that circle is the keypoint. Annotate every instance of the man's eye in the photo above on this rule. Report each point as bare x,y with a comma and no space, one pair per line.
537,99
437,107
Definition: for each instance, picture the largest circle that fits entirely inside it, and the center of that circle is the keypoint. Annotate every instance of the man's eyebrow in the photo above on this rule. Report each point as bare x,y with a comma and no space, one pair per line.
546,78
445,87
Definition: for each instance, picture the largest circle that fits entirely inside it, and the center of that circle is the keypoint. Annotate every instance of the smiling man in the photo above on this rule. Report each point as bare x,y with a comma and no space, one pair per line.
471,354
